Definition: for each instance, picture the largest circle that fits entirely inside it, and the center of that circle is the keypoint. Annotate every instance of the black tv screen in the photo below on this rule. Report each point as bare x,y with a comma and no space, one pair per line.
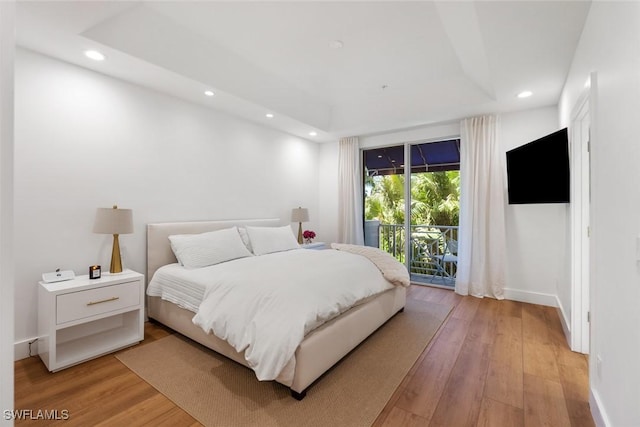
538,172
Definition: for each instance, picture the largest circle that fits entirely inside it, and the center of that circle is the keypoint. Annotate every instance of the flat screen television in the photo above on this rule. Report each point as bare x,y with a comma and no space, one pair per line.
538,172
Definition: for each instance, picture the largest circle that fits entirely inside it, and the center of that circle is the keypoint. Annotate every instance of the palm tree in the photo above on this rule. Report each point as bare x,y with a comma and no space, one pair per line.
434,198
434,202
385,201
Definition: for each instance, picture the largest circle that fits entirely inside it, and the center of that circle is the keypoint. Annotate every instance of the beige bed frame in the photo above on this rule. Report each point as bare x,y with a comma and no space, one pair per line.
320,349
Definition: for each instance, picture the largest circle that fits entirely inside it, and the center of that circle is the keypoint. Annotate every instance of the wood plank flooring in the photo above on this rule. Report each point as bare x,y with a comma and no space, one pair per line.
492,363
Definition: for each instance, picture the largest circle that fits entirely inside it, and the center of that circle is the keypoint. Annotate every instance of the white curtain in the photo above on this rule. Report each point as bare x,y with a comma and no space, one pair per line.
482,248
350,227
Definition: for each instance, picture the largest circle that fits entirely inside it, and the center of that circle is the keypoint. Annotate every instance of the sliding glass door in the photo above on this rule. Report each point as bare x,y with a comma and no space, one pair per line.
412,212
384,200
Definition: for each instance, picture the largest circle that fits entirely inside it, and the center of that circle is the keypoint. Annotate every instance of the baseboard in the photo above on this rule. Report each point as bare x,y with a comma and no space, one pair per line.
530,297
566,324
21,349
597,410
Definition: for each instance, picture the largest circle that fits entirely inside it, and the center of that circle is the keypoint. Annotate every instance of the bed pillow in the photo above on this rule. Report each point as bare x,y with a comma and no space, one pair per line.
245,238
214,247
266,240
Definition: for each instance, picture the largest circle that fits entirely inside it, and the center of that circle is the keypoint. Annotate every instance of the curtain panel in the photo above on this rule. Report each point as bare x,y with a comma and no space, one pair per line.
482,240
350,226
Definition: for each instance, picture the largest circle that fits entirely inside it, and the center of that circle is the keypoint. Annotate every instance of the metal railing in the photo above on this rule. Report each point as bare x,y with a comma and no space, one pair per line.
431,250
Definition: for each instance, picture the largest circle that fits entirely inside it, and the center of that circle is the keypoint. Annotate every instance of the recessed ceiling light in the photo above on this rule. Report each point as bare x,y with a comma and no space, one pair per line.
269,116
313,133
209,93
393,161
95,55
379,156
525,94
336,44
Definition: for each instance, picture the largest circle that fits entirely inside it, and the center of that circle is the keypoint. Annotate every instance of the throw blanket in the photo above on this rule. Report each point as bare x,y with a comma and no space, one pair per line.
265,305
390,268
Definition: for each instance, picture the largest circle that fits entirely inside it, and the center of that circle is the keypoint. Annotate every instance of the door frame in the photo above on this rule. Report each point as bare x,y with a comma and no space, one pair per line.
582,120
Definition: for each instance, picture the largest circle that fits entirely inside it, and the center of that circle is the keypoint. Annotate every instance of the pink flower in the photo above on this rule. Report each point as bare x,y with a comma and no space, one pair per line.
308,234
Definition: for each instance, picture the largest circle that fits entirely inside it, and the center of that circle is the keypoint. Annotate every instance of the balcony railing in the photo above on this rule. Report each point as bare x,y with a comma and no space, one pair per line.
432,250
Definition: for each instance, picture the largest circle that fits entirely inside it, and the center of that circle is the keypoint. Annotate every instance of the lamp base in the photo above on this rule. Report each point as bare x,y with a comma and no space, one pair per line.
116,261
299,233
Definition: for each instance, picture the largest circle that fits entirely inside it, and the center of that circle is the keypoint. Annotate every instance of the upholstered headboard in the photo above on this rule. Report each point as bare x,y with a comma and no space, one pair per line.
159,251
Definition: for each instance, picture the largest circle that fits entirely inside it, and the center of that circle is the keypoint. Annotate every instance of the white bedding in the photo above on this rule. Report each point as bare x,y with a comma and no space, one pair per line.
390,268
265,305
181,286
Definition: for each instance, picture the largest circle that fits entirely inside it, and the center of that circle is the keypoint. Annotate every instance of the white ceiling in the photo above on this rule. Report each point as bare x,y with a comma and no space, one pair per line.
402,64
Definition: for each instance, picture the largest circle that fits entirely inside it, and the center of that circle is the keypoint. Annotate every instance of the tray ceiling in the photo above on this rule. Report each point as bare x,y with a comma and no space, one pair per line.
400,64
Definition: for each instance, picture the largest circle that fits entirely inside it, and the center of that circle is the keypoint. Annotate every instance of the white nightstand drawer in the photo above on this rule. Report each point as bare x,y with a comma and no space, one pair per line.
81,318
81,304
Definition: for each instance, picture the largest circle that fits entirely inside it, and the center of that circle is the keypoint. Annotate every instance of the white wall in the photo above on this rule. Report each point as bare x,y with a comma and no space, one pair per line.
610,46
85,140
537,245
7,46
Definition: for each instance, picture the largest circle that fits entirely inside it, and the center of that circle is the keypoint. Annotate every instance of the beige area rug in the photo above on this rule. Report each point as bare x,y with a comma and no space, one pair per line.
219,392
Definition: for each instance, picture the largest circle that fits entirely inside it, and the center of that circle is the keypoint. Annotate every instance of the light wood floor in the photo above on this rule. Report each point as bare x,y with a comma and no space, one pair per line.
492,363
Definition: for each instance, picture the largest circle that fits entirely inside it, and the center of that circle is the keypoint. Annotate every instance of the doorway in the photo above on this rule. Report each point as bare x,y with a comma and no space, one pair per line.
412,212
579,332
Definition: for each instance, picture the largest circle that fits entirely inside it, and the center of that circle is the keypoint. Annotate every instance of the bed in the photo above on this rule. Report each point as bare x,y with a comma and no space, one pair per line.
318,351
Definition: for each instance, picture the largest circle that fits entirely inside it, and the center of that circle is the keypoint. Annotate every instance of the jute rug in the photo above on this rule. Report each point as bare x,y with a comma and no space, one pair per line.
219,392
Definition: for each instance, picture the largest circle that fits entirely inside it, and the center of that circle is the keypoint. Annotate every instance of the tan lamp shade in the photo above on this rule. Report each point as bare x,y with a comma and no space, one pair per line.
299,215
114,221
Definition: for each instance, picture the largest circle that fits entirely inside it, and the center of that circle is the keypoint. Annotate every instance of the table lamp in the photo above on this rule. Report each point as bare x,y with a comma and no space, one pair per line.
114,221
299,215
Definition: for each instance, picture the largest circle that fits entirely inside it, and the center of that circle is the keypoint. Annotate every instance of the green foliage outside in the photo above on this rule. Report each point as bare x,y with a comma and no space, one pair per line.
435,202
435,198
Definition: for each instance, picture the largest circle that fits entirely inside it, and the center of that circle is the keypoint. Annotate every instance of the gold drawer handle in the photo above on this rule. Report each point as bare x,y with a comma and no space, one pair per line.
104,300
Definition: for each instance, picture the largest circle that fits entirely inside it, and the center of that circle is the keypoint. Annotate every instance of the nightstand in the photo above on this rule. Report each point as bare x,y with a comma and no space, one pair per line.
84,318
314,245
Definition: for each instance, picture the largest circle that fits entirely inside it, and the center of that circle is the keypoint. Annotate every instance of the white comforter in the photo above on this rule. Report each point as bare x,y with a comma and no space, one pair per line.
265,305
